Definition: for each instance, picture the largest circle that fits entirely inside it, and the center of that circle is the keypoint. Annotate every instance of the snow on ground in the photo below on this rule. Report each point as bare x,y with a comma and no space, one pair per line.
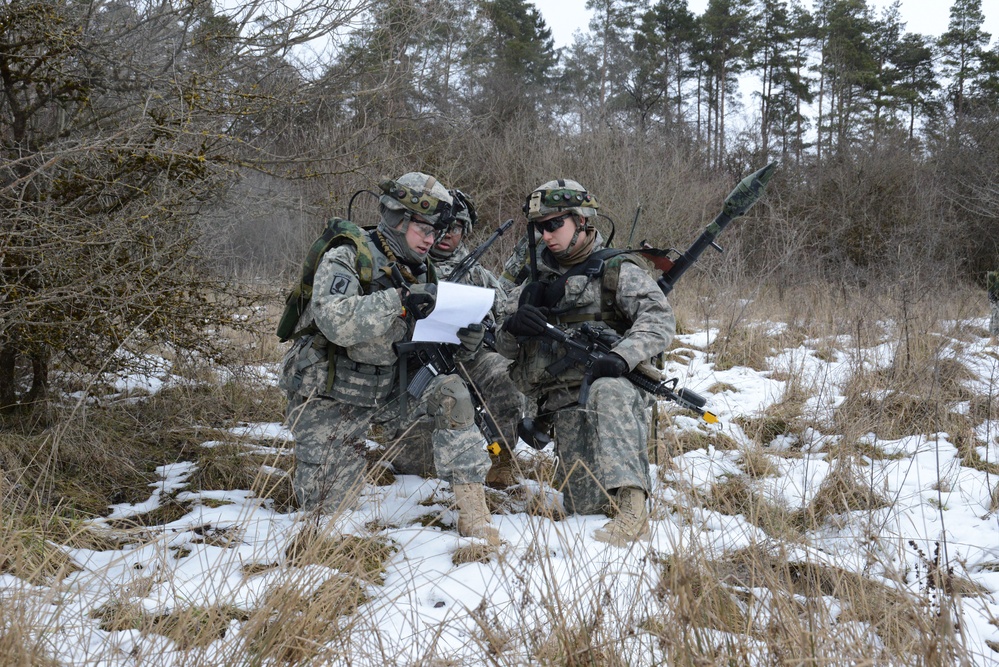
428,605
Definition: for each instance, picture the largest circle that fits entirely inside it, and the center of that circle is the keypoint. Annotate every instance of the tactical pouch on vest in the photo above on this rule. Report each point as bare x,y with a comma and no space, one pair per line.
364,385
306,352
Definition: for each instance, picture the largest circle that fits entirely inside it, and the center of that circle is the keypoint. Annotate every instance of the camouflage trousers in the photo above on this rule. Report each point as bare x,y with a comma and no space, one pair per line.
490,378
994,324
602,446
438,437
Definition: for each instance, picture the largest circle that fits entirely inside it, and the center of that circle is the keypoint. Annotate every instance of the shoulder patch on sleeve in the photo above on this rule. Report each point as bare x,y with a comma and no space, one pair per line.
341,283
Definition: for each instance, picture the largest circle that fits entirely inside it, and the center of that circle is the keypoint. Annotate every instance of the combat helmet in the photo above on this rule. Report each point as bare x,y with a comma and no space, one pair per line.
419,193
560,195
464,210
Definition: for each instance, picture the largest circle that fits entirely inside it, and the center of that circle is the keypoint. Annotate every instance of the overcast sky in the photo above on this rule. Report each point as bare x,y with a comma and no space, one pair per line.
929,17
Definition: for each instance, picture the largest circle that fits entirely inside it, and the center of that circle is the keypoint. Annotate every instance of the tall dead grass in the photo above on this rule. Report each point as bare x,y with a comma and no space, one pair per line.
771,601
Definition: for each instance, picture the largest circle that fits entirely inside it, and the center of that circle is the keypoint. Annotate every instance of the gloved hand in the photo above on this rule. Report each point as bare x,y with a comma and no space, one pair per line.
533,293
528,320
471,337
419,299
609,365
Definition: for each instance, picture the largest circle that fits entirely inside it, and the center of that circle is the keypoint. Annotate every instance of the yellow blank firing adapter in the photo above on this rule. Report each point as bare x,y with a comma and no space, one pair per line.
494,448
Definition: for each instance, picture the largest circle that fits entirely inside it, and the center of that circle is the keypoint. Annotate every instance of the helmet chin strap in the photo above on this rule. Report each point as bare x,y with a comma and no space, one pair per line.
575,237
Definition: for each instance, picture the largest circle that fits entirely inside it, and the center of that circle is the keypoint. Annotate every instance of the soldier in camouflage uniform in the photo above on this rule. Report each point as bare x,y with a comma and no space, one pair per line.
355,327
603,461
487,371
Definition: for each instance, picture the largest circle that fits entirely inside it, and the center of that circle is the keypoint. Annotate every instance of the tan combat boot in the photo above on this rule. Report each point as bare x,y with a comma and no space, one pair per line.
631,522
474,519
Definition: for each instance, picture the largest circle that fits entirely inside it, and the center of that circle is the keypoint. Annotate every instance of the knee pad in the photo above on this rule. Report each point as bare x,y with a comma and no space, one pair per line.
451,404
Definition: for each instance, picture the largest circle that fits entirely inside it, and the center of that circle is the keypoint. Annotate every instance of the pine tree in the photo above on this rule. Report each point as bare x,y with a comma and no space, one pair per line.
916,79
724,25
663,45
774,53
517,60
962,47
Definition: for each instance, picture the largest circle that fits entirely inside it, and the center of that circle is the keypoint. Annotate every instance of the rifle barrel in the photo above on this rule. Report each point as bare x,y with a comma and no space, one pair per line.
465,265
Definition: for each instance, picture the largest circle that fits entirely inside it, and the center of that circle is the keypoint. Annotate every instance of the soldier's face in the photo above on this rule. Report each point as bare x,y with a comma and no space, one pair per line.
420,235
448,242
558,240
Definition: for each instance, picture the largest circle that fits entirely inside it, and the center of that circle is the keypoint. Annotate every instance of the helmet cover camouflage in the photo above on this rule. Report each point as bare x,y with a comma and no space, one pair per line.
464,210
560,195
418,193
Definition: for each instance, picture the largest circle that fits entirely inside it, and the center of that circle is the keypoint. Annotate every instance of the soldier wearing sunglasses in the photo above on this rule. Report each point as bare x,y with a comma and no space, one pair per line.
603,464
342,373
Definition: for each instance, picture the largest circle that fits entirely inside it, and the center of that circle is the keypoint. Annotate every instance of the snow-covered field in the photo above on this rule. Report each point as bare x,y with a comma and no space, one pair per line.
550,575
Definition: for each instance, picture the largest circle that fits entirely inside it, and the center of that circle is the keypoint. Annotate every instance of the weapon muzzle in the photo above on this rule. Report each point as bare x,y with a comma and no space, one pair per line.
748,191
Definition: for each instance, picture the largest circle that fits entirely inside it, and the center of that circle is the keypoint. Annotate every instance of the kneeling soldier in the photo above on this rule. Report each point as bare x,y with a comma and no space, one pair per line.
343,373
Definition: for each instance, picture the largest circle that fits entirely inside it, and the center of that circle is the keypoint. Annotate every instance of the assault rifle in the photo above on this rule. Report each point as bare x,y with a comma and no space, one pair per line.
465,266
585,345
469,260
435,359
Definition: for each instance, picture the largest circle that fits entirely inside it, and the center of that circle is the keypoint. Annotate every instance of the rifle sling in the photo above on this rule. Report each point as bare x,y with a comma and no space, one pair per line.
593,267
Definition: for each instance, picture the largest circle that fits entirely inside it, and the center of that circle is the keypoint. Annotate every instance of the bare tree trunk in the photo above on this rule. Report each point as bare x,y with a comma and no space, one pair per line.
8,395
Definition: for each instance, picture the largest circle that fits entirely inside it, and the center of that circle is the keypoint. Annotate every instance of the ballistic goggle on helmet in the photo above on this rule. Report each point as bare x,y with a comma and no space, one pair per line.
418,193
464,210
557,196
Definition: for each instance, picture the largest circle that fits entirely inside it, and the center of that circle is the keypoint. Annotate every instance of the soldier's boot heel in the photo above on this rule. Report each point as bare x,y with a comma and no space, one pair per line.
474,519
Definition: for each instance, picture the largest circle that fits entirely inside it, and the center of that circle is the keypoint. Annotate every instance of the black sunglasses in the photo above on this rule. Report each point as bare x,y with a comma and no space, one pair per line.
553,224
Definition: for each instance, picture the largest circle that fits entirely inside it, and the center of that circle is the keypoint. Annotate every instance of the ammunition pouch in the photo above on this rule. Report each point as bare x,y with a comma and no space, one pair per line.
363,385
304,354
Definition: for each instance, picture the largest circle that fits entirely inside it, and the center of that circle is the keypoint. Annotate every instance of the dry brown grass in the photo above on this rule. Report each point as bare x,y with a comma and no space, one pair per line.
845,489
27,554
474,553
676,443
742,347
299,620
735,495
361,557
718,594
773,607
896,402
21,645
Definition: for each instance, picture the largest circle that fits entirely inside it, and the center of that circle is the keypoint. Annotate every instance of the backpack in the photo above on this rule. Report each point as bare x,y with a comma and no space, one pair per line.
337,233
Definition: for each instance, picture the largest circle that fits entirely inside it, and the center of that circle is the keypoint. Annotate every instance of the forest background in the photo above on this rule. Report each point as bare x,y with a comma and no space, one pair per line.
167,163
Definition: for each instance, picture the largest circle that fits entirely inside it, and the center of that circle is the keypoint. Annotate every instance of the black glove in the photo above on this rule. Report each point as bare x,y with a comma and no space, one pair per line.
471,337
533,294
419,299
528,320
609,365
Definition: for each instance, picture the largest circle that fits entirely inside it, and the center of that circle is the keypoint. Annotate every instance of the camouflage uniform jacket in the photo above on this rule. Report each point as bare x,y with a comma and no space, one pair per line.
362,325
627,290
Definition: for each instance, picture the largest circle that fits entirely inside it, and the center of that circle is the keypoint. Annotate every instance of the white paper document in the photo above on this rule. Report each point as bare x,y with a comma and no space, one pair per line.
457,307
